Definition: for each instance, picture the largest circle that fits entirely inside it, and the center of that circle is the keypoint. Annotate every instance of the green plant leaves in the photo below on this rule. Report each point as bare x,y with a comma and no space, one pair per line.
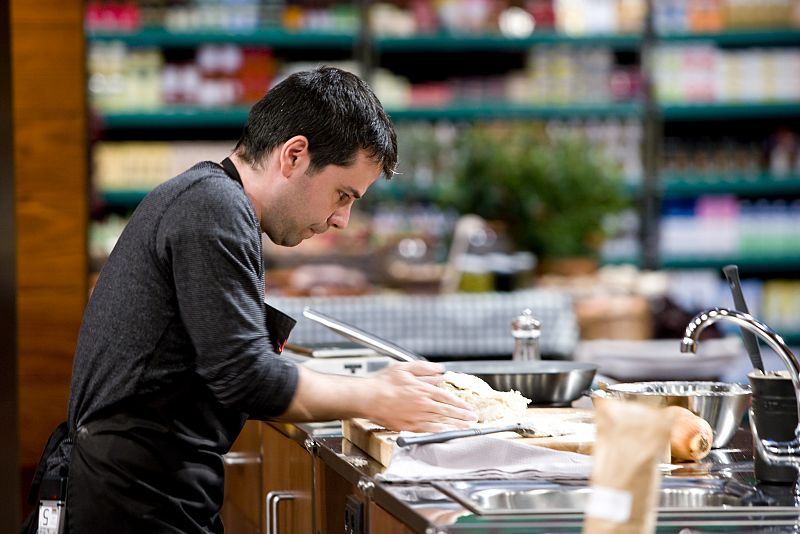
552,193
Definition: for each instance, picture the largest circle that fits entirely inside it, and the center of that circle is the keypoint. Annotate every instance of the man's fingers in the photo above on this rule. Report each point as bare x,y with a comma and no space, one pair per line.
422,368
433,380
439,426
446,398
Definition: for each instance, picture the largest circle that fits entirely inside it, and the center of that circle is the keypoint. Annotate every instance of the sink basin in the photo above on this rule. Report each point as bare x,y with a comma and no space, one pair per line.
542,497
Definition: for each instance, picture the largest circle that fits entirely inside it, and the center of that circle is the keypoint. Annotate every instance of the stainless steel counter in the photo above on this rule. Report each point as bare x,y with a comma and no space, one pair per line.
716,495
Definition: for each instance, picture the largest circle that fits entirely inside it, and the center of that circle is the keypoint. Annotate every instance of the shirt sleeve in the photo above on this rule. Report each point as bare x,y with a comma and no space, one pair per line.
210,240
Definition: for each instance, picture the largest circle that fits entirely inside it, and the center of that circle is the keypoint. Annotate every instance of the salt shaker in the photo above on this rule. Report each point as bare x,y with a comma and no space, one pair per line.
526,330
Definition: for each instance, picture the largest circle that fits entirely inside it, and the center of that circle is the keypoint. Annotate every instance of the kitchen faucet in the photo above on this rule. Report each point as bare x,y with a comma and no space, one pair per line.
776,452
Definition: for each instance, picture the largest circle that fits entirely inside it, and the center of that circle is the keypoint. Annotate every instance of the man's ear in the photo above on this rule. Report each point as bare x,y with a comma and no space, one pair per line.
294,156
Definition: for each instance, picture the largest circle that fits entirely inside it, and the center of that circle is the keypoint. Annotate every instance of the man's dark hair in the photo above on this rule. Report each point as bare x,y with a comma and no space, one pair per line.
334,109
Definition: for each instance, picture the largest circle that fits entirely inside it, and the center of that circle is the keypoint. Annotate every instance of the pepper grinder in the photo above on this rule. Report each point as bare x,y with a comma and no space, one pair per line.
526,330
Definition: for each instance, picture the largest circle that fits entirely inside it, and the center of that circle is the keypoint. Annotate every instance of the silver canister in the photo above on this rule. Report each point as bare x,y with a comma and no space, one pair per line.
526,329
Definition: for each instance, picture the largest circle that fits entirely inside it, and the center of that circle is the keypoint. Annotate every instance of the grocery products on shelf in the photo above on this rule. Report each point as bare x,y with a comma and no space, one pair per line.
705,73
774,301
726,227
215,76
680,16
234,16
575,71
141,165
730,158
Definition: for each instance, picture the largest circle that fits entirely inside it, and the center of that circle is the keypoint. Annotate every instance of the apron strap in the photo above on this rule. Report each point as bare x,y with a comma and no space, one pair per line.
60,434
279,325
231,171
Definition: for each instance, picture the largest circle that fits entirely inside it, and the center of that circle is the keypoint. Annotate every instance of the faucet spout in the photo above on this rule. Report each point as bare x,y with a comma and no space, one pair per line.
776,452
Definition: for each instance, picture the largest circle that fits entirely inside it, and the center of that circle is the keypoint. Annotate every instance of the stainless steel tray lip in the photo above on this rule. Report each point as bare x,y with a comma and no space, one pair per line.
457,490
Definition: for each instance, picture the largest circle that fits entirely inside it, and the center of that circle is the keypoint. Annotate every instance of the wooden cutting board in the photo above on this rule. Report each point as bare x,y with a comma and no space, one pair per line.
379,443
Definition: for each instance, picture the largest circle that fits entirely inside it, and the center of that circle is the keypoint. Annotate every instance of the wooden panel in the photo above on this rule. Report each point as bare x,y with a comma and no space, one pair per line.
379,443
333,490
287,466
381,521
9,399
241,509
249,439
51,182
50,73
48,11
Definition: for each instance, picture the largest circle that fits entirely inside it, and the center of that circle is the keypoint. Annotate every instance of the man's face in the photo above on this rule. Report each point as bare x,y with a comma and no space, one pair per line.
313,203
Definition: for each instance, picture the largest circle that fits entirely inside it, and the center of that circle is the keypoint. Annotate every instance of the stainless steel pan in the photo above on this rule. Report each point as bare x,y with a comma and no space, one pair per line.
551,383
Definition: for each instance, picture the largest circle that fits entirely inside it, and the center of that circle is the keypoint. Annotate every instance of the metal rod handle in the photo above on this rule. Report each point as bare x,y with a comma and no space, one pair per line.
362,337
271,509
440,437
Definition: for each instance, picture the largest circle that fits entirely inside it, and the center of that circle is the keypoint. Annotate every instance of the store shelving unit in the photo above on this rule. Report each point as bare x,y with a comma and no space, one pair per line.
703,184
736,37
163,38
728,111
375,47
192,116
483,42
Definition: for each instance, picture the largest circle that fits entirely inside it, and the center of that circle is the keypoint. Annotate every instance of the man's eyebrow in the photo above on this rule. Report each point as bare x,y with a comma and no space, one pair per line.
352,192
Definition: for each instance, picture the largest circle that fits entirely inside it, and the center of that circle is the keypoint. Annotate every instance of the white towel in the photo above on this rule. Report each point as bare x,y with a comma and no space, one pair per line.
483,457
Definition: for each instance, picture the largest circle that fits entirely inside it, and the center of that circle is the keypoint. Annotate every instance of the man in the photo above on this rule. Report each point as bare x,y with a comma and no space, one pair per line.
177,348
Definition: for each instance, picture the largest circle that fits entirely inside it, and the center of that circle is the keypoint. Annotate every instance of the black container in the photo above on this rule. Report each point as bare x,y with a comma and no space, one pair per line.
775,409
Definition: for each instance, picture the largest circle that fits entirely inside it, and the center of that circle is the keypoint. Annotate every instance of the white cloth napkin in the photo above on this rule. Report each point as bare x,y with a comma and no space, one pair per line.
480,457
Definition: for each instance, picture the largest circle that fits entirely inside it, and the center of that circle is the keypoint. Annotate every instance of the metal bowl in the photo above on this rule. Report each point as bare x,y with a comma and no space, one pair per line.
550,383
719,403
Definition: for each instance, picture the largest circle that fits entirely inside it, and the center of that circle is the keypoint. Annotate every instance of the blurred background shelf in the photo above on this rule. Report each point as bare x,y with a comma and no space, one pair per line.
190,116
788,263
160,37
307,39
461,42
737,37
234,117
121,198
177,117
693,184
792,338
504,110
729,111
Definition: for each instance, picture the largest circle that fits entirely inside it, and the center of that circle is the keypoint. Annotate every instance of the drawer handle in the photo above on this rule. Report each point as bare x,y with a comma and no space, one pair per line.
271,508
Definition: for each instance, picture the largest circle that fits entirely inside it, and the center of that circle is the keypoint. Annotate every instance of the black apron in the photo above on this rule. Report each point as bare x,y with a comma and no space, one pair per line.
164,484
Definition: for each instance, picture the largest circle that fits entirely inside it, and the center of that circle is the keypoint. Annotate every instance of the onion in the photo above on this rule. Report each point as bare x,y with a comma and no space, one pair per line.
691,436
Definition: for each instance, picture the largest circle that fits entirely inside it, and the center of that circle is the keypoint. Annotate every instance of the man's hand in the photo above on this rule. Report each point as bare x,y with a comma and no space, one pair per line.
403,396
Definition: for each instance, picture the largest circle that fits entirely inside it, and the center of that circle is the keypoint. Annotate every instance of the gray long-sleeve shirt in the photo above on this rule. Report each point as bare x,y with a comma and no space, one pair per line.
176,321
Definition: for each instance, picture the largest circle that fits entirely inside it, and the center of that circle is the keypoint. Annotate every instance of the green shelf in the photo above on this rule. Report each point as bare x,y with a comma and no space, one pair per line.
346,39
694,184
791,338
787,263
266,36
123,197
737,37
178,117
279,37
182,117
724,111
185,117
465,42
504,110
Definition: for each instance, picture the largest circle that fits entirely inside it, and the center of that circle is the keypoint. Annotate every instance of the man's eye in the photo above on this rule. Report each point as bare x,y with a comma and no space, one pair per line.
343,197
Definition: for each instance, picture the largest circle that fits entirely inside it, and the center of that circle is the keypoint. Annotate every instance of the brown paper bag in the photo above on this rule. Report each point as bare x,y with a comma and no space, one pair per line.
632,439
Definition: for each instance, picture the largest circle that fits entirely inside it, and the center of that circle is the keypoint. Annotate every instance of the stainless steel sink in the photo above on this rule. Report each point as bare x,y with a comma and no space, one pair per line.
542,497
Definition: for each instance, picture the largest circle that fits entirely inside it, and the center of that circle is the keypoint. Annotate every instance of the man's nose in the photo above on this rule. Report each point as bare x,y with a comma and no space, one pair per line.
340,217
